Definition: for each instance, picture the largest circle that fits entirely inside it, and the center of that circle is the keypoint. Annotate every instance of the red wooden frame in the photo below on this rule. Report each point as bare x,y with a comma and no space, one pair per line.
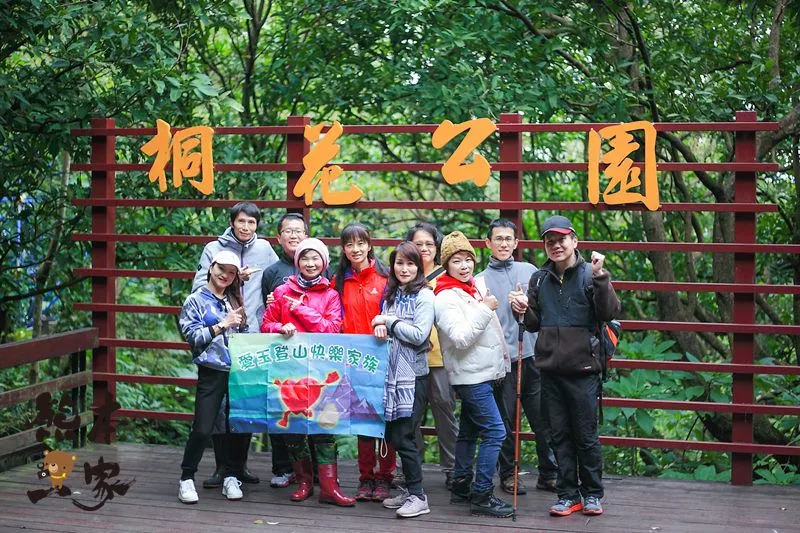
745,206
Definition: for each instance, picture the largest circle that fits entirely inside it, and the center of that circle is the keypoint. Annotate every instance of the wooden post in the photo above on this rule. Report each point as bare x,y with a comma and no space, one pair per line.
744,309
511,180
104,358
296,148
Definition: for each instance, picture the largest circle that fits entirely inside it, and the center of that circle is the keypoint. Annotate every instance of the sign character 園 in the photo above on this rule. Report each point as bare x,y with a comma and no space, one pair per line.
624,183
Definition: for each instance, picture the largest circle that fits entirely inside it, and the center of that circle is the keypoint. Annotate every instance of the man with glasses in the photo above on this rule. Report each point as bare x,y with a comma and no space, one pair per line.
507,279
566,301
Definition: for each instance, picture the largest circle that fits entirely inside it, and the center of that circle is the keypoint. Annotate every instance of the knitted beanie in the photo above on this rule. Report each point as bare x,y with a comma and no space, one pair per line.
312,244
453,243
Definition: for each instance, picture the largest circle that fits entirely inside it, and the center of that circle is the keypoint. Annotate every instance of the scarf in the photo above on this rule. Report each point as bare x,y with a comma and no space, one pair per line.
308,283
446,281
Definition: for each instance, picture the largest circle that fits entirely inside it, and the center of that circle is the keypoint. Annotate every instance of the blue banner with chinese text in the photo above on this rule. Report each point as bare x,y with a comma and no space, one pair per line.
309,383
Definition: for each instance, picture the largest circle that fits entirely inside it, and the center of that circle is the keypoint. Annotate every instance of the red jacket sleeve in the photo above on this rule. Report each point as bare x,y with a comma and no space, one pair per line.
271,321
329,320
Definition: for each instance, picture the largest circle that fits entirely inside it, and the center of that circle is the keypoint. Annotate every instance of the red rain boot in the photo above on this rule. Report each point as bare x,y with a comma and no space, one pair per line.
304,476
329,487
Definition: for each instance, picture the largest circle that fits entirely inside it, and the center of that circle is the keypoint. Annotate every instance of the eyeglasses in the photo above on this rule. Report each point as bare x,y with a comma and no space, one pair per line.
425,244
291,231
501,240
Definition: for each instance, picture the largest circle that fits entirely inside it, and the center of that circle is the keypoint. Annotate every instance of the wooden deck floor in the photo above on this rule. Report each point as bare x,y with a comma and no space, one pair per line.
151,504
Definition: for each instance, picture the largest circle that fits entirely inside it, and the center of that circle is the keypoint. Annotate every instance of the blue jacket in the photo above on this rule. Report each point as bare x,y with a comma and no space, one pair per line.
201,310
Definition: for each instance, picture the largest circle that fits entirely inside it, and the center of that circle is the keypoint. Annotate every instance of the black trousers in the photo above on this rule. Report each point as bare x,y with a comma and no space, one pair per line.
531,401
418,413
400,434
570,404
281,461
212,387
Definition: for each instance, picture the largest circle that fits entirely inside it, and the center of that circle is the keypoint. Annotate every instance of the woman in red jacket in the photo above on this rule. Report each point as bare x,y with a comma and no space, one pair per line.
307,303
360,280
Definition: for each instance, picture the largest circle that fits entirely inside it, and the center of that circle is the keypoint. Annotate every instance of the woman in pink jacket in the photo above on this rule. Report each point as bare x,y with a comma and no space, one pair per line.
306,303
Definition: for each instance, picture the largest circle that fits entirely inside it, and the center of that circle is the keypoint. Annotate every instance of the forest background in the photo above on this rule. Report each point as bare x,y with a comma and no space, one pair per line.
255,62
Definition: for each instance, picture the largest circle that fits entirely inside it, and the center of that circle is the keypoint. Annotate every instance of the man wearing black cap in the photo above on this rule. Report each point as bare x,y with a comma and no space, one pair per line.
566,301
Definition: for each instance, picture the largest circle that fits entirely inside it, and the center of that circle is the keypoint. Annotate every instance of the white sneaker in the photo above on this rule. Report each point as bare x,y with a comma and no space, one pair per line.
187,492
230,488
396,502
414,506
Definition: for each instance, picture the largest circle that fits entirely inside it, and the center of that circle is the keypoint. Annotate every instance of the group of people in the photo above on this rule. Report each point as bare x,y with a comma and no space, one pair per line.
452,334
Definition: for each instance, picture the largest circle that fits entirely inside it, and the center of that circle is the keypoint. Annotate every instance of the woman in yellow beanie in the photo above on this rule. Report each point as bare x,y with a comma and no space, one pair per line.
475,356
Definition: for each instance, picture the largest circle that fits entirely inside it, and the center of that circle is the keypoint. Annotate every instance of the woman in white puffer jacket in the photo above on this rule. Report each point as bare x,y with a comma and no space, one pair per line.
475,357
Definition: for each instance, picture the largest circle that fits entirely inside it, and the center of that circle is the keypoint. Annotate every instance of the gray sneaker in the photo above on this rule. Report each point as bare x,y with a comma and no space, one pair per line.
414,506
397,501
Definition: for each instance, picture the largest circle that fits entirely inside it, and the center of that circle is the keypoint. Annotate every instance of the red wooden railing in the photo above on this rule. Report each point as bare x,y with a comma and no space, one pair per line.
103,272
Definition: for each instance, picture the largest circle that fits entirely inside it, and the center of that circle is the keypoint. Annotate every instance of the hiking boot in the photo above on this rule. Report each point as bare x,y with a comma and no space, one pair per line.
448,480
187,492
365,491
461,490
507,484
487,504
230,488
546,484
380,491
396,502
565,507
283,480
414,506
591,506
215,481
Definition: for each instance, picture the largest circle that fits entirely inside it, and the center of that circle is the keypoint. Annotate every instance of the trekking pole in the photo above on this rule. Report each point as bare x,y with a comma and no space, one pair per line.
517,413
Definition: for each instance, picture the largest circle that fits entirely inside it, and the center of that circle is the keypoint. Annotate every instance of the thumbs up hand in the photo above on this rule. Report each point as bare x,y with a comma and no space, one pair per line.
490,300
518,299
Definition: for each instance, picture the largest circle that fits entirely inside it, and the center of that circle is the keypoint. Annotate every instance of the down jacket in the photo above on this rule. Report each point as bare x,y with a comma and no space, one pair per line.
473,347
319,312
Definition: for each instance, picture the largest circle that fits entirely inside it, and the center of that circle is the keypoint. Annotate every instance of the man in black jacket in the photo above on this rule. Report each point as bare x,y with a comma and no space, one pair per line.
566,301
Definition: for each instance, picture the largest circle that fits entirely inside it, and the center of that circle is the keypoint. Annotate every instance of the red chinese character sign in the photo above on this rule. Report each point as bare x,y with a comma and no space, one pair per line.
314,163
624,182
453,170
187,162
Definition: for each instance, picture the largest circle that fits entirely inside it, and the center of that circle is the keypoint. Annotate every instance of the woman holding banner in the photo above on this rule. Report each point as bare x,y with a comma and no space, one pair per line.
360,280
406,319
306,303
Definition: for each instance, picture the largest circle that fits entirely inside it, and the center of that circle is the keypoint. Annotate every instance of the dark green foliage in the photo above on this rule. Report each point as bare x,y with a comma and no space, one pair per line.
364,62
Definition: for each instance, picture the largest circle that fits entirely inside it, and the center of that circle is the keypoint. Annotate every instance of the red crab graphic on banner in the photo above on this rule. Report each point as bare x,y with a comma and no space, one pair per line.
299,396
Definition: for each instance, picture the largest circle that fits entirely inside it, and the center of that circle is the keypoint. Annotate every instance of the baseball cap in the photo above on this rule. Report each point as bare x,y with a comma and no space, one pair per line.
557,224
226,257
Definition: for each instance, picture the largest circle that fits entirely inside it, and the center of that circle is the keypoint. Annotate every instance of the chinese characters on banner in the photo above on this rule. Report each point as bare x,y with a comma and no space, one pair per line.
624,184
309,383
